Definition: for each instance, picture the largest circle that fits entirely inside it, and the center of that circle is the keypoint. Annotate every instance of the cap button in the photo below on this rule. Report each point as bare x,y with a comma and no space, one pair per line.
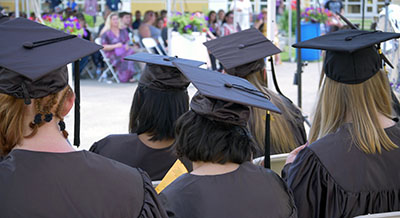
241,46
28,45
228,85
349,38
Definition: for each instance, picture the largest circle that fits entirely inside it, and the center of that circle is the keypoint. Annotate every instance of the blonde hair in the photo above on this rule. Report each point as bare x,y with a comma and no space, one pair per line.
360,102
107,24
282,140
12,113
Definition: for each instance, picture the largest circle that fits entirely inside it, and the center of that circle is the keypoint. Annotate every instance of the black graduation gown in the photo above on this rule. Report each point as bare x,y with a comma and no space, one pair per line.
128,149
76,184
250,191
333,178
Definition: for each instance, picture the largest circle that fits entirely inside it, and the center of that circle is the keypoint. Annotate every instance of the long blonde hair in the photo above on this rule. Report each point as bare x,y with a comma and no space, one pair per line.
282,140
12,113
107,24
360,102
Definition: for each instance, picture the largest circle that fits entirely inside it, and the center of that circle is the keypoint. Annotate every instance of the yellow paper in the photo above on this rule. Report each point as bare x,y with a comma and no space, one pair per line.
176,170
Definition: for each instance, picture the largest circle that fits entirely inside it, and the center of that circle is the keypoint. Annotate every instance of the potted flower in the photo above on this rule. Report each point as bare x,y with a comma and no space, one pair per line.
70,25
188,35
188,23
312,18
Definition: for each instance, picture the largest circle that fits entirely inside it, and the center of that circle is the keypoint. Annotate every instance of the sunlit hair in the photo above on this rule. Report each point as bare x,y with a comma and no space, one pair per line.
359,104
282,139
12,113
107,24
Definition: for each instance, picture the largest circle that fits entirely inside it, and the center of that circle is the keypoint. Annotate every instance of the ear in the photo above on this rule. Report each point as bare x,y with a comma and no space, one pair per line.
68,103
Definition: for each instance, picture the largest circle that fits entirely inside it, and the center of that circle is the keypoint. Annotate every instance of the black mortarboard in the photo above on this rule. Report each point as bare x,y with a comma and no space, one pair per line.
224,88
3,18
160,73
243,52
352,56
33,59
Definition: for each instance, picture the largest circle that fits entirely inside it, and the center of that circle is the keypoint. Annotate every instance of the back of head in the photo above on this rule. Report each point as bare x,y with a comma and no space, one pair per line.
360,104
148,15
216,134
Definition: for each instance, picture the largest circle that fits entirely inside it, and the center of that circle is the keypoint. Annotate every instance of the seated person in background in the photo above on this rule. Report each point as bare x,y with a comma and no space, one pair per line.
159,100
287,129
138,20
41,174
116,46
126,21
213,135
159,23
351,166
147,28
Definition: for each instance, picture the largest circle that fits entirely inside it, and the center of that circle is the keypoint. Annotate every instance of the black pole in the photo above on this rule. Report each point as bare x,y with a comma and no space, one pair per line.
77,75
267,139
298,52
363,14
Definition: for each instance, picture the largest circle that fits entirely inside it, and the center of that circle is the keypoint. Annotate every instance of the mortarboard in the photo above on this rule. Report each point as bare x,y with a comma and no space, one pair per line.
33,58
33,61
3,18
226,98
352,56
160,73
243,52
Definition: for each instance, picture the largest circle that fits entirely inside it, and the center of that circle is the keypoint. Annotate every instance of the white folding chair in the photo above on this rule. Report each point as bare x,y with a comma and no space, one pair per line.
89,68
277,162
150,44
161,42
106,60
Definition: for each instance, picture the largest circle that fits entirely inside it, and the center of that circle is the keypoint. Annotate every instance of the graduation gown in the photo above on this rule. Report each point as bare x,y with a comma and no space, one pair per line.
250,191
333,178
128,149
76,184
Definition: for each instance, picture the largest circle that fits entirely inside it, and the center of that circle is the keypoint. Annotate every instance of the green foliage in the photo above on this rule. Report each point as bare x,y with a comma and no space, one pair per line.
284,22
188,23
89,20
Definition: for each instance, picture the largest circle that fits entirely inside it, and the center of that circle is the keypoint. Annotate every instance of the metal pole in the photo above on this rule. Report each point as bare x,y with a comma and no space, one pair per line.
16,8
386,20
168,2
271,20
28,10
363,15
290,30
298,52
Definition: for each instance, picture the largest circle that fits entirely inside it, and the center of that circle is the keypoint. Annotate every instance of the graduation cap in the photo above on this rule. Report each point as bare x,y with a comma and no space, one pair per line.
33,59
160,73
226,98
243,52
352,56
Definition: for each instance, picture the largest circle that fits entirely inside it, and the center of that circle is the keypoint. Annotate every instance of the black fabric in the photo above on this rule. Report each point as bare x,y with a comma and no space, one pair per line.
226,87
249,191
221,111
333,178
161,59
21,66
75,184
163,78
246,69
128,149
352,56
241,48
3,18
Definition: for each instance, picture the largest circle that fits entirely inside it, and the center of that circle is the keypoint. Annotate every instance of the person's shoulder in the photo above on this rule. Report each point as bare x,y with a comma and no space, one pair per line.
115,140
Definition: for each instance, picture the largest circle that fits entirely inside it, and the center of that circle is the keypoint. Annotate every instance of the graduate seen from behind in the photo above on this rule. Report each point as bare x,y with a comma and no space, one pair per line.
351,166
41,174
159,100
242,54
213,135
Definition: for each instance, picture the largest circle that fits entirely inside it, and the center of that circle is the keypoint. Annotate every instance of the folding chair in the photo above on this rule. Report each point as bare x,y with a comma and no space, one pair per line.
150,45
88,69
161,42
106,60
277,162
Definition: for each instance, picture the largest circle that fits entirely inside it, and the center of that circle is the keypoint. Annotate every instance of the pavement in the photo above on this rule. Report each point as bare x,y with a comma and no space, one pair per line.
105,106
